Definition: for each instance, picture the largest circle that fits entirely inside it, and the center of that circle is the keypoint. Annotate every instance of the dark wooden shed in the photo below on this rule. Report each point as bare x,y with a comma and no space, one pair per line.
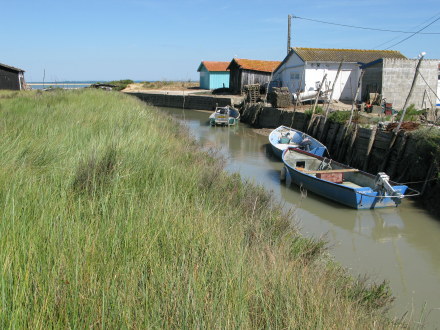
248,72
11,78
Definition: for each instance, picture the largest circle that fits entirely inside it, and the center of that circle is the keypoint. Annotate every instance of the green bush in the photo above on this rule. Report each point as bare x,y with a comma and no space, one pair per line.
427,145
121,84
318,111
339,116
411,114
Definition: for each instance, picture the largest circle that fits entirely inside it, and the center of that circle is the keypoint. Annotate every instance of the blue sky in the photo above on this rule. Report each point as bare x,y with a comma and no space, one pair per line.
167,39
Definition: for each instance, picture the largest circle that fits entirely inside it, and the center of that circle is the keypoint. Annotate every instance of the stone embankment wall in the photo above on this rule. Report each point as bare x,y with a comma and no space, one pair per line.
397,77
197,102
370,150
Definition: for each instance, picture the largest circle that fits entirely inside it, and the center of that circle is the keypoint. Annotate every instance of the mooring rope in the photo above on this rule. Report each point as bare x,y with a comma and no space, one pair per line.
423,181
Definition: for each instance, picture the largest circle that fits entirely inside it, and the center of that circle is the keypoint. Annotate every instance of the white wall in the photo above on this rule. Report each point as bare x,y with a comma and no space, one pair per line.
345,87
438,94
291,73
306,76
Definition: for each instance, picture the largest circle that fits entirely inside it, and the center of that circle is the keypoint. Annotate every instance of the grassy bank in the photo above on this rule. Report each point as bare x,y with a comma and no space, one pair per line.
111,217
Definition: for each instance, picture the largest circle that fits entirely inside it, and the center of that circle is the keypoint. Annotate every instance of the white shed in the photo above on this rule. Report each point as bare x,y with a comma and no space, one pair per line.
438,88
303,69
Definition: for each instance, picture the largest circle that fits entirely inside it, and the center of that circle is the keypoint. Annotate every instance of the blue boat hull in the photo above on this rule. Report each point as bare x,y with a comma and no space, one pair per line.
342,184
357,198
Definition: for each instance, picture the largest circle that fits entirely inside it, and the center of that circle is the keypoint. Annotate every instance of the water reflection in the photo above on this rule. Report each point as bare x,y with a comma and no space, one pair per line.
398,244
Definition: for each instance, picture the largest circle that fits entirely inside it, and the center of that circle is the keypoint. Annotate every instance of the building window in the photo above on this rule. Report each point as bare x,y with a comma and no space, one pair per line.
294,76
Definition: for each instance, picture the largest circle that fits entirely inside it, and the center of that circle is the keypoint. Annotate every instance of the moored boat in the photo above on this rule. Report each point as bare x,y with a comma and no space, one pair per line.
283,137
342,183
224,116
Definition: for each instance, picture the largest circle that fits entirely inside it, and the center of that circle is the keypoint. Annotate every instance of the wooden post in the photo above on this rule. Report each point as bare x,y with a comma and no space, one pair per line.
183,104
423,99
298,91
410,93
333,88
428,177
388,153
355,97
370,146
316,128
340,147
316,100
333,137
297,100
350,148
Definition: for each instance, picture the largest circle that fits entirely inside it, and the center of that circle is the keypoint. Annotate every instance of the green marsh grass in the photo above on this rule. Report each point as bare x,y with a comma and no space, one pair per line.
111,216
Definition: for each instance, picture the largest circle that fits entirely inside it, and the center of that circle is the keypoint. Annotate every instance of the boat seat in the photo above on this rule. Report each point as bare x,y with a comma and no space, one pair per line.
350,184
342,170
336,176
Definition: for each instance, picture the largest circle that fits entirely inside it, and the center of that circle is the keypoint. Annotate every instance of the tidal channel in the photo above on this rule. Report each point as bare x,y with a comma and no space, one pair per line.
400,245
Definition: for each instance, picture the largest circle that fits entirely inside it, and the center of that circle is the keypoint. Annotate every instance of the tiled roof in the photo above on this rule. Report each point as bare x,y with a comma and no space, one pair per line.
11,67
348,55
214,66
256,65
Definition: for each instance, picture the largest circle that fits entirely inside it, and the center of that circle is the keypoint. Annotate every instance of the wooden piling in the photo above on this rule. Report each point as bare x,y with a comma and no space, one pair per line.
354,134
370,146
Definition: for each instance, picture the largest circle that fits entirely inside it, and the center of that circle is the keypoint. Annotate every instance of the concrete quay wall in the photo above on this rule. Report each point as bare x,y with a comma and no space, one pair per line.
191,101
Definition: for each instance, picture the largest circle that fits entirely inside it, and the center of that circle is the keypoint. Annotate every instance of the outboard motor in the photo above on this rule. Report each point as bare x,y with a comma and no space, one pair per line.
385,188
305,144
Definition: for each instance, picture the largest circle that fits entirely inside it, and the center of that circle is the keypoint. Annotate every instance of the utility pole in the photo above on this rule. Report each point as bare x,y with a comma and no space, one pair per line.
410,92
289,20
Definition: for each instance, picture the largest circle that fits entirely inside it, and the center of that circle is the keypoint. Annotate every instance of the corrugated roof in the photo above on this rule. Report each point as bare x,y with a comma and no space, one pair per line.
348,55
256,65
214,66
11,67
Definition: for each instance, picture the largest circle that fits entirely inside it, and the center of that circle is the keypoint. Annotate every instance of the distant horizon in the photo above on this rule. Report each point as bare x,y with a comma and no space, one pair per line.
95,81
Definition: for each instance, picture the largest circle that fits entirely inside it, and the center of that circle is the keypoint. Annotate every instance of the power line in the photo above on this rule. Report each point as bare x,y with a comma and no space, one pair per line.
362,27
415,27
417,32
435,94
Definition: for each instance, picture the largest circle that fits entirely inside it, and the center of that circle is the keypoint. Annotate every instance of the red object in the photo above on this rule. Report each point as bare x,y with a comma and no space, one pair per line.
332,177
388,112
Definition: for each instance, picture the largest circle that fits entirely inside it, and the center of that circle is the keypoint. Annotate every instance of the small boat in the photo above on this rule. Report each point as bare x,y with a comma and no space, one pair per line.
342,183
283,137
225,116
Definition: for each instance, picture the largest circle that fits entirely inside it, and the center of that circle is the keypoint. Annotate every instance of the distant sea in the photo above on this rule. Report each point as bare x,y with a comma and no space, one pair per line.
64,84
60,84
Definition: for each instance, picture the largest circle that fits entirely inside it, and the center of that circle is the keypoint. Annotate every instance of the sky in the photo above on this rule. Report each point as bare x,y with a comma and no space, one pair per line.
148,40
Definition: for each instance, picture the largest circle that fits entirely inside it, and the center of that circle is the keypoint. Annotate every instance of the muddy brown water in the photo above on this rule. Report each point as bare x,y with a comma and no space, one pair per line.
400,245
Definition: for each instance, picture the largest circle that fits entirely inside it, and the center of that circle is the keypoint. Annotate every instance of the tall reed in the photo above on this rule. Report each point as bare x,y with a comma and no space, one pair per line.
111,216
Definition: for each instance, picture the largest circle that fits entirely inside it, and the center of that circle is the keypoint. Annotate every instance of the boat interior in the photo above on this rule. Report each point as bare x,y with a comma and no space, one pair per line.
222,110
329,170
231,112
285,137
